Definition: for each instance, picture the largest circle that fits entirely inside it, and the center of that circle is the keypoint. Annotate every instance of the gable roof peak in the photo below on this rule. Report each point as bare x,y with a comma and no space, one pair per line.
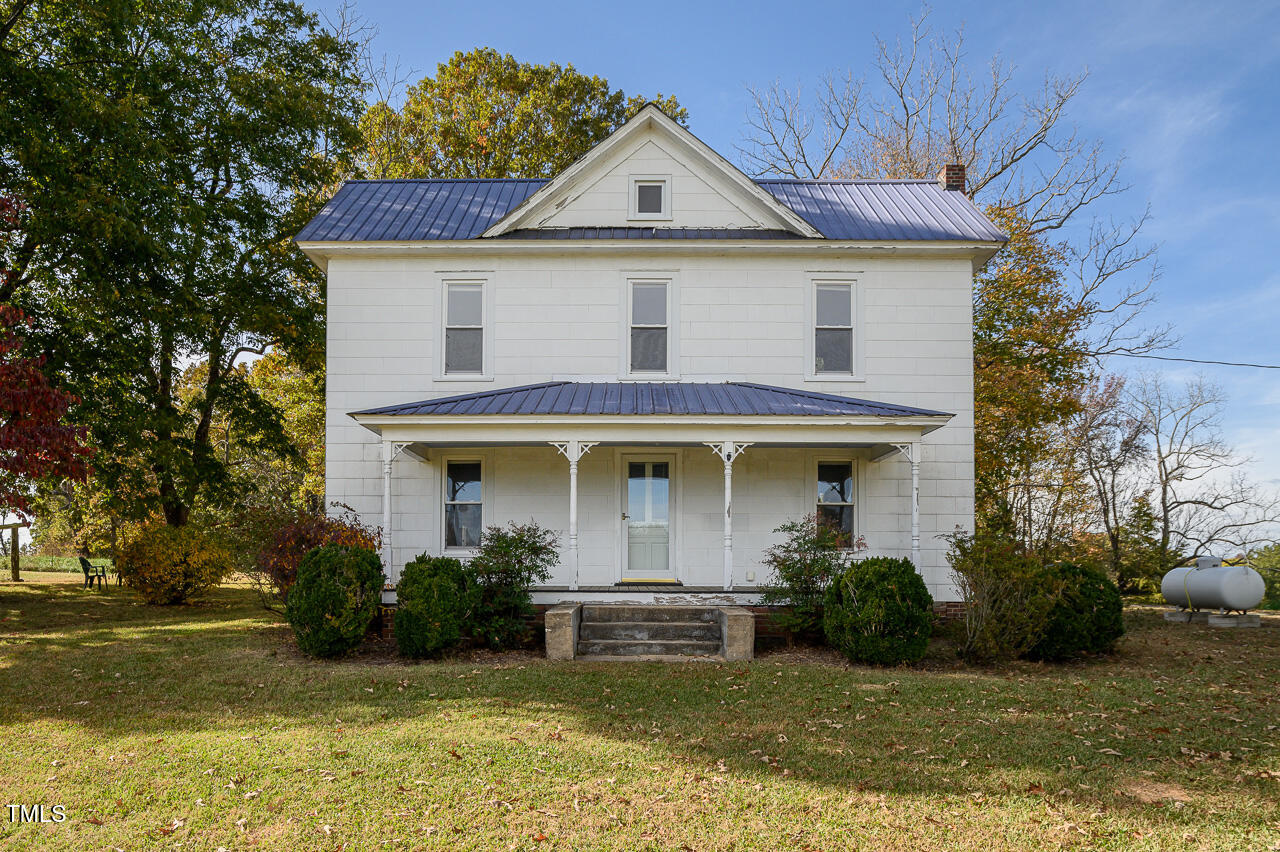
651,117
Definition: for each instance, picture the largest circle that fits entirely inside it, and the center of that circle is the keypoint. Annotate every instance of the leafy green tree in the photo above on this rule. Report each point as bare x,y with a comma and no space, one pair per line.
487,115
1143,560
1267,561
1030,373
298,395
165,152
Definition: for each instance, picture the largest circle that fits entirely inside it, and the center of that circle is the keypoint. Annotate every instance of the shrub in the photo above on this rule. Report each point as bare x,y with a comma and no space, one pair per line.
277,563
1007,592
509,561
171,565
431,605
879,612
1088,616
1266,561
334,599
804,566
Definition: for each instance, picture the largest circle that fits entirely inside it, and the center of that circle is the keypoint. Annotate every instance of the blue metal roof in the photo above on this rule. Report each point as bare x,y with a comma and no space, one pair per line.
384,210
884,209
415,209
629,398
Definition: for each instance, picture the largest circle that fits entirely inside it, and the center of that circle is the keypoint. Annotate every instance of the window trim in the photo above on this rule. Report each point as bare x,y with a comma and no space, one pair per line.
625,325
445,502
816,280
855,473
633,198
484,281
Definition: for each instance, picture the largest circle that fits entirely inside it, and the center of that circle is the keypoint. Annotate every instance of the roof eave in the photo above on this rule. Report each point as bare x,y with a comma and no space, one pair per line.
320,251
932,421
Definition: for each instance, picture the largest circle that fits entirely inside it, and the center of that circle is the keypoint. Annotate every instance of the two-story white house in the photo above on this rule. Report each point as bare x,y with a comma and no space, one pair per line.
656,356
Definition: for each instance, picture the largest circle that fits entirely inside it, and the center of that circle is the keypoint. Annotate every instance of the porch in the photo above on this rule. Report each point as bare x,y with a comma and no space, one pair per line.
662,492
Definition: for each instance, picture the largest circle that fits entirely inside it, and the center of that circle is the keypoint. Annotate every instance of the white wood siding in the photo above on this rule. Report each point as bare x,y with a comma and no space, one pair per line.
741,317
694,202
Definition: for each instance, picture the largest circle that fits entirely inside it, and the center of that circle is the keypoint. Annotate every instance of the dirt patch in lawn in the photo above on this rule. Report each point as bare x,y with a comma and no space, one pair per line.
1150,792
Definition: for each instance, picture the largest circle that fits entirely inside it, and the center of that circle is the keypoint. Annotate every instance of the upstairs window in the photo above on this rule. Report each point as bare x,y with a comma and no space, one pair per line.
833,330
464,329
650,197
835,495
648,326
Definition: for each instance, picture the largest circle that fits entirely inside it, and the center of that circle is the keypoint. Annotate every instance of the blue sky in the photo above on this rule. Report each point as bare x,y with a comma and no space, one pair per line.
1186,92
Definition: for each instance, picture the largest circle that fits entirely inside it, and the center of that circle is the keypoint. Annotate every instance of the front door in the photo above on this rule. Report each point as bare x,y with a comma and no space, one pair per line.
646,519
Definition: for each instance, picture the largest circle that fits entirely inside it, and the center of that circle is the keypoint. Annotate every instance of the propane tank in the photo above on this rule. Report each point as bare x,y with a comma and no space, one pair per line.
1211,585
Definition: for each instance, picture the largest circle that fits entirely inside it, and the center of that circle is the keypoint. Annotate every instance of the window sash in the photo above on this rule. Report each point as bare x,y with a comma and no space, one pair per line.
464,341
833,324
463,518
841,512
649,343
645,196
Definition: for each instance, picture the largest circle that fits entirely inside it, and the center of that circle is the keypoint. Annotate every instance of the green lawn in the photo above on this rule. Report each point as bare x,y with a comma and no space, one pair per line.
68,564
201,727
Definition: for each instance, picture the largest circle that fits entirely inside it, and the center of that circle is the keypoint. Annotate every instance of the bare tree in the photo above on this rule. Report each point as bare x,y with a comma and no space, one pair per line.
925,109
1202,496
1110,442
385,83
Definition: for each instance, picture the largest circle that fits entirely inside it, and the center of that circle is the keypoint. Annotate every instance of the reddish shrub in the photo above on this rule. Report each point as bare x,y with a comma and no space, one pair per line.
277,562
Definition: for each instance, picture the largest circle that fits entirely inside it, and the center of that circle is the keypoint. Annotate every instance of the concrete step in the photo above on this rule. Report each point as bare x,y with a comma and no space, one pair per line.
634,612
693,631
651,648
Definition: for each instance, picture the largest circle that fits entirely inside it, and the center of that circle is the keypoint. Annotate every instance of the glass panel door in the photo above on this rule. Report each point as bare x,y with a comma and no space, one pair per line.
648,520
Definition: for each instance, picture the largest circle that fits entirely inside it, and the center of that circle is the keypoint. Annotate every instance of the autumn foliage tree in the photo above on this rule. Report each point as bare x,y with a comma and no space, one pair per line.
35,442
487,115
166,152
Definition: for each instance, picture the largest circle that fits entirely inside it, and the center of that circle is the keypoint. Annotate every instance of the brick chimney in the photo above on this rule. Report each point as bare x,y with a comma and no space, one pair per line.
952,177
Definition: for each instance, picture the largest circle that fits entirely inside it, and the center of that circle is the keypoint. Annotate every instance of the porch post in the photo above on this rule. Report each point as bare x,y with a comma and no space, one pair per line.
912,452
915,505
573,451
390,449
728,451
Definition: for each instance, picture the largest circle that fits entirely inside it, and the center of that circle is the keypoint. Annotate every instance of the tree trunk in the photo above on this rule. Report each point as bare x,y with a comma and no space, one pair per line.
13,556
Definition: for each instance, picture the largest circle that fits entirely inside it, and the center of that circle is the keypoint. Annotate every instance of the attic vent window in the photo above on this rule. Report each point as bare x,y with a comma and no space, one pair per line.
650,197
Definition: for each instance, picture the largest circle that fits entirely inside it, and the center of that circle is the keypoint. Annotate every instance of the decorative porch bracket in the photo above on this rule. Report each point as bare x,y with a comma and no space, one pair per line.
573,451
390,449
912,453
728,451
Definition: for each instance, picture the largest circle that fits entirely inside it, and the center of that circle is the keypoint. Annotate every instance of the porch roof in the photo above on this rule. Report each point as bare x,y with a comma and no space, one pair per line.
743,399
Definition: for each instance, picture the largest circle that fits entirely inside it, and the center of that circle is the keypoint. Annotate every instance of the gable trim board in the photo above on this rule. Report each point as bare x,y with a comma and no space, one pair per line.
978,253
582,174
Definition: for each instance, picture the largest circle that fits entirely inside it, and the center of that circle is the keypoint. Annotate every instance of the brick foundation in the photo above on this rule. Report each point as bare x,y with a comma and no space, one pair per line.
948,610
384,623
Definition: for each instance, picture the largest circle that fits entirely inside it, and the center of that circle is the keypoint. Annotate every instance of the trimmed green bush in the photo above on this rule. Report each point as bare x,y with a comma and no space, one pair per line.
1008,594
509,561
1087,617
431,606
804,566
334,599
879,612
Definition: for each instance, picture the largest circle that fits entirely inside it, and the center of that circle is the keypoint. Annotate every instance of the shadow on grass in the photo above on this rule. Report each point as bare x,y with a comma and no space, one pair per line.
103,660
